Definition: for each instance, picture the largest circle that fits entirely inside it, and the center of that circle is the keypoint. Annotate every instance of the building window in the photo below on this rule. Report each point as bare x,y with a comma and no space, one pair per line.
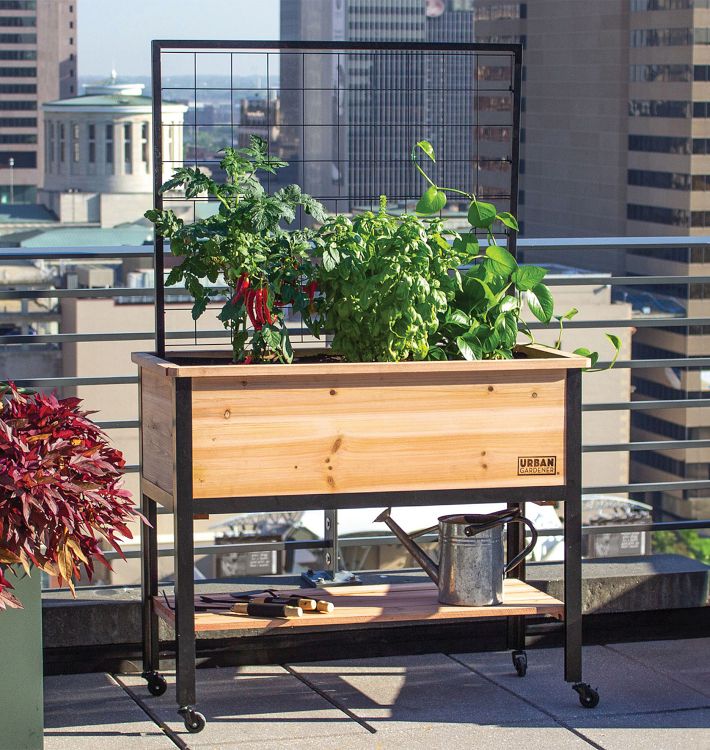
21,54
18,88
17,105
92,143
18,122
109,145
127,149
62,136
641,6
18,4
18,72
639,108
50,145
662,37
660,144
18,138
75,142
18,38
658,215
664,180
18,21
23,159
145,153
666,73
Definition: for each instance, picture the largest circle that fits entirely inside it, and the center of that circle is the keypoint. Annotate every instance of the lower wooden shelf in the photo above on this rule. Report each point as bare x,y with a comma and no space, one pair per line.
355,605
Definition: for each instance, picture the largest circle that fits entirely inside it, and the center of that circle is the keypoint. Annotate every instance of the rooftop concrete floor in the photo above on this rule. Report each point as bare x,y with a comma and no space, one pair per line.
653,695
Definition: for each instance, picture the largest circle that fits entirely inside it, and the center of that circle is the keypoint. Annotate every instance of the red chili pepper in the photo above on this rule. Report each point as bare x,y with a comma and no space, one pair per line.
310,289
266,316
251,299
241,288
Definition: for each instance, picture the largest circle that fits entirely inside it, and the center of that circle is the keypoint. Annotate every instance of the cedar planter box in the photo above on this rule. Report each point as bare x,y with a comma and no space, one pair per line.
344,428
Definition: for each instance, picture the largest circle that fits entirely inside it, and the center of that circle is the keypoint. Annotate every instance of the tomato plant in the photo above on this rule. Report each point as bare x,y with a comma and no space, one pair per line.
245,247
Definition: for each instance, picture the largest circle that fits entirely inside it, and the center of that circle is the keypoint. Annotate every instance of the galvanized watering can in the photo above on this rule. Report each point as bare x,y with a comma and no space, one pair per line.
470,570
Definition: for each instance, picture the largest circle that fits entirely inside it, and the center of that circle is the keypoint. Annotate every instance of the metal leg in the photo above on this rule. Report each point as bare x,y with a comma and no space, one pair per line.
332,554
573,530
515,544
184,560
149,589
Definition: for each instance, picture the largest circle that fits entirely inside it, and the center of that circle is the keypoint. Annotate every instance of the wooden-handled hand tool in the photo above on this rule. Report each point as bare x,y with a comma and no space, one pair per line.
306,603
256,609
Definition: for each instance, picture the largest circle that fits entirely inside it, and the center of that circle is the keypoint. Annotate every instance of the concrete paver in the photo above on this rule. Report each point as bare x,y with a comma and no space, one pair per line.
687,661
258,707
653,696
90,711
625,685
429,693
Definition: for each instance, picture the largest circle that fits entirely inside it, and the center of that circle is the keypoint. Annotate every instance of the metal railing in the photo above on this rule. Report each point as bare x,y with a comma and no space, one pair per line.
70,256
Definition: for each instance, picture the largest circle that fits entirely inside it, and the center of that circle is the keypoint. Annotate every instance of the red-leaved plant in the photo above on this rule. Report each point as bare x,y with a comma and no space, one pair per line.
60,492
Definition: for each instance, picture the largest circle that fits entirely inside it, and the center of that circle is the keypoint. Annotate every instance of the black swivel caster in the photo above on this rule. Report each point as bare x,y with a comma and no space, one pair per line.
194,720
520,662
588,696
156,683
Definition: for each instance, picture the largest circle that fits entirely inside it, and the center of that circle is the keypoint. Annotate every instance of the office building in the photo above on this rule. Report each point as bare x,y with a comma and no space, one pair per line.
37,64
617,142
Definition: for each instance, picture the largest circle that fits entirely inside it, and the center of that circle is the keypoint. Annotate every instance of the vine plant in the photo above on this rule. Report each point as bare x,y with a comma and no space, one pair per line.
245,246
486,313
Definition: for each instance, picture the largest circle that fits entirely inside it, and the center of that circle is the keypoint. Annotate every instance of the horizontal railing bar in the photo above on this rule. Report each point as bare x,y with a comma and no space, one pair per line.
609,243
651,445
108,252
118,424
652,363
691,484
72,382
93,292
592,280
680,403
640,322
215,549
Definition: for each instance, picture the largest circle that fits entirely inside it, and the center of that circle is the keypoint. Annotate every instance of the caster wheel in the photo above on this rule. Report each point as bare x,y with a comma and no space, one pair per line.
194,720
156,683
520,662
588,696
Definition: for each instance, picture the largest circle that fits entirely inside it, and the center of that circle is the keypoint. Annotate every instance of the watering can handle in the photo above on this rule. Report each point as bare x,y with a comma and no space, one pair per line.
533,541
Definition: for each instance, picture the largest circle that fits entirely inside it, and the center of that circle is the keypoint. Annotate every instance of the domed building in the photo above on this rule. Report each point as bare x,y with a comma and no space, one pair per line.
98,165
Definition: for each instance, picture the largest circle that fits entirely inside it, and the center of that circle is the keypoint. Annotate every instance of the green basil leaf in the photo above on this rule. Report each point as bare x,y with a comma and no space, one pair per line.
431,202
481,215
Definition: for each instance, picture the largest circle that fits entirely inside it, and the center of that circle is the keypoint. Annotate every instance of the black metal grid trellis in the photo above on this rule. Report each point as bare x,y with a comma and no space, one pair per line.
345,115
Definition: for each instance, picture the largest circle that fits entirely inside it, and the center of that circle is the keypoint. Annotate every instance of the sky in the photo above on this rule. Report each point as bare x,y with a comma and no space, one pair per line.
117,33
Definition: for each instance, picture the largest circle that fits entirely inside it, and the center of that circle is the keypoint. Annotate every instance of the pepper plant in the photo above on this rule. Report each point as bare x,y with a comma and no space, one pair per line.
485,315
245,246
385,280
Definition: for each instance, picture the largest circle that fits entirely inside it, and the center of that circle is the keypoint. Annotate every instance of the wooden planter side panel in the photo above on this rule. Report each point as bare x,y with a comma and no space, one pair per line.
340,433
158,428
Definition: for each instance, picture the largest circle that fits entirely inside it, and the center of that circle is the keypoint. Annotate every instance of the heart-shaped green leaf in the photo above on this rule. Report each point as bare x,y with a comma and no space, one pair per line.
469,346
506,263
584,352
540,302
427,148
509,220
431,202
526,277
481,215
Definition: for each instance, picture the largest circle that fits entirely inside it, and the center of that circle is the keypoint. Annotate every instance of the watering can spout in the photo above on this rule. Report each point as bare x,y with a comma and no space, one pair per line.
429,566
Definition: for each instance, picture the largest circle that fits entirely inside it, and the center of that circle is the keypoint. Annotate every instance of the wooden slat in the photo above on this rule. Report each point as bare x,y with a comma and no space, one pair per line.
157,428
397,431
360,605
545,359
